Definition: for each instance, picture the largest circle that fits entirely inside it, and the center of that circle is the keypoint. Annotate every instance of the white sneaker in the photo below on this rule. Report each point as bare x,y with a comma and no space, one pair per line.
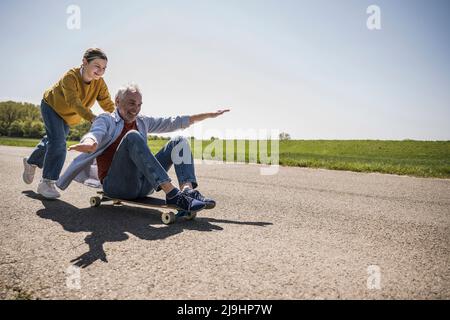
28,171
47,189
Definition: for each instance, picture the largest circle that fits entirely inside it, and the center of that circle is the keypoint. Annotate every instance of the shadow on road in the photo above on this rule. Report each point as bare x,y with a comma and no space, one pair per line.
110,223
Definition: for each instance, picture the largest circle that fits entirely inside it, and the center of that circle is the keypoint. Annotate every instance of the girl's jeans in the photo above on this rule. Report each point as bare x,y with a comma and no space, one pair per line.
50,153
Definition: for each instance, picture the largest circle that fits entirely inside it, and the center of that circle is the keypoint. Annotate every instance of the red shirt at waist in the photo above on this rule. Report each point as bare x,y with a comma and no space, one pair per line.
105,159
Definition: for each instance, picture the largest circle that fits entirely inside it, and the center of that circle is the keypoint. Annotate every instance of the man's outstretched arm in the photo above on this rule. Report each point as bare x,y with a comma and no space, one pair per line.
88,145
202,116
97,133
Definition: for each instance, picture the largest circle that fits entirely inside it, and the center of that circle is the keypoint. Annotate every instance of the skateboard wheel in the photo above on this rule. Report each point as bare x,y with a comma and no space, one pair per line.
168,217
95,201
117,202
190,215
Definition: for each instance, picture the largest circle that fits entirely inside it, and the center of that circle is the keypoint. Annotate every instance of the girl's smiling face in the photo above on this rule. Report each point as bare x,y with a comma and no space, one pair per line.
94,69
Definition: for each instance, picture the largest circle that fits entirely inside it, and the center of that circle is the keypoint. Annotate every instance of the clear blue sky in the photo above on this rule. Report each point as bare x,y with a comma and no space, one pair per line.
310,68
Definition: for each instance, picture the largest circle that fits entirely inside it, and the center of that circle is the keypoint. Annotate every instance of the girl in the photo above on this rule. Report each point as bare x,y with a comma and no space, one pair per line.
62,106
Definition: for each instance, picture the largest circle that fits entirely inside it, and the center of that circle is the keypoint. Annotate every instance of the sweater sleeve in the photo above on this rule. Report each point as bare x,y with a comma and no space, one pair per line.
104,98
69,89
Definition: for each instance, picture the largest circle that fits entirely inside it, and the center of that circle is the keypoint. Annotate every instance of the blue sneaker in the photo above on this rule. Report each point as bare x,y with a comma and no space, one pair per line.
210,203
181,201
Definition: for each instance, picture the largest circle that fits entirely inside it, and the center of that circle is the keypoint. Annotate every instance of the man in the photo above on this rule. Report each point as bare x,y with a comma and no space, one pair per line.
126,167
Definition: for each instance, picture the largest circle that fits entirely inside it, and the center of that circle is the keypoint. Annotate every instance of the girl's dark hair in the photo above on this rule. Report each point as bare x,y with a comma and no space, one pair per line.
94,53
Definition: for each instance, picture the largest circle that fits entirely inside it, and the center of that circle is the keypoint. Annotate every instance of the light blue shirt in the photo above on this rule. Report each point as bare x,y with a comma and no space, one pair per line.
105,129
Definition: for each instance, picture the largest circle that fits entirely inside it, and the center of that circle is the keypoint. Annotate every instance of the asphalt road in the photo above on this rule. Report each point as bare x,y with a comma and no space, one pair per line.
299,234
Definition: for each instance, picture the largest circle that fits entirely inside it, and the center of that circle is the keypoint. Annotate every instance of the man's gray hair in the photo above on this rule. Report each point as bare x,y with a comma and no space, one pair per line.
130,87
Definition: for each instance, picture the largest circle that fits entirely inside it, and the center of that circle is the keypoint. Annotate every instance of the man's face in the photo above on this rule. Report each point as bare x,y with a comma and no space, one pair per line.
129,106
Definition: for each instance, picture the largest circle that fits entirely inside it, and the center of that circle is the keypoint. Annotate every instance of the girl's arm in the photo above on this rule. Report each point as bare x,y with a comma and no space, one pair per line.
104,98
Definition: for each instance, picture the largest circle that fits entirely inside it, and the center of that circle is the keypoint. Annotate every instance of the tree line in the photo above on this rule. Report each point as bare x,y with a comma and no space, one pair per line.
23,120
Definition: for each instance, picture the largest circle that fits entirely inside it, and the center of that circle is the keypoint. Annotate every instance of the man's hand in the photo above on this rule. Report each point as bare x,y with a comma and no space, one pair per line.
202,116
218,113
88,146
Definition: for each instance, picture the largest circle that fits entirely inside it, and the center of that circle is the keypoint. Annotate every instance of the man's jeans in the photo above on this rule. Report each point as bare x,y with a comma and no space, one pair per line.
135,171
50,153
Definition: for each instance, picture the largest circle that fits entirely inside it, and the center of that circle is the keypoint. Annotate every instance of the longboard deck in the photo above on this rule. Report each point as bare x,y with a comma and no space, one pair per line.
166,217
145,201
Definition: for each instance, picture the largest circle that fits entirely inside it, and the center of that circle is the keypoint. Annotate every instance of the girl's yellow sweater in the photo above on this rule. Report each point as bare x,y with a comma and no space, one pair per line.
73,99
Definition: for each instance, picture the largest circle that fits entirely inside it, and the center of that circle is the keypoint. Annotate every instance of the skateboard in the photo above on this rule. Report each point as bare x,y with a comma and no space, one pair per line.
166,217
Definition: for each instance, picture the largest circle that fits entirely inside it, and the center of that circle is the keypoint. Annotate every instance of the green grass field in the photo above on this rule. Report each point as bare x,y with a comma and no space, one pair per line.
415,158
